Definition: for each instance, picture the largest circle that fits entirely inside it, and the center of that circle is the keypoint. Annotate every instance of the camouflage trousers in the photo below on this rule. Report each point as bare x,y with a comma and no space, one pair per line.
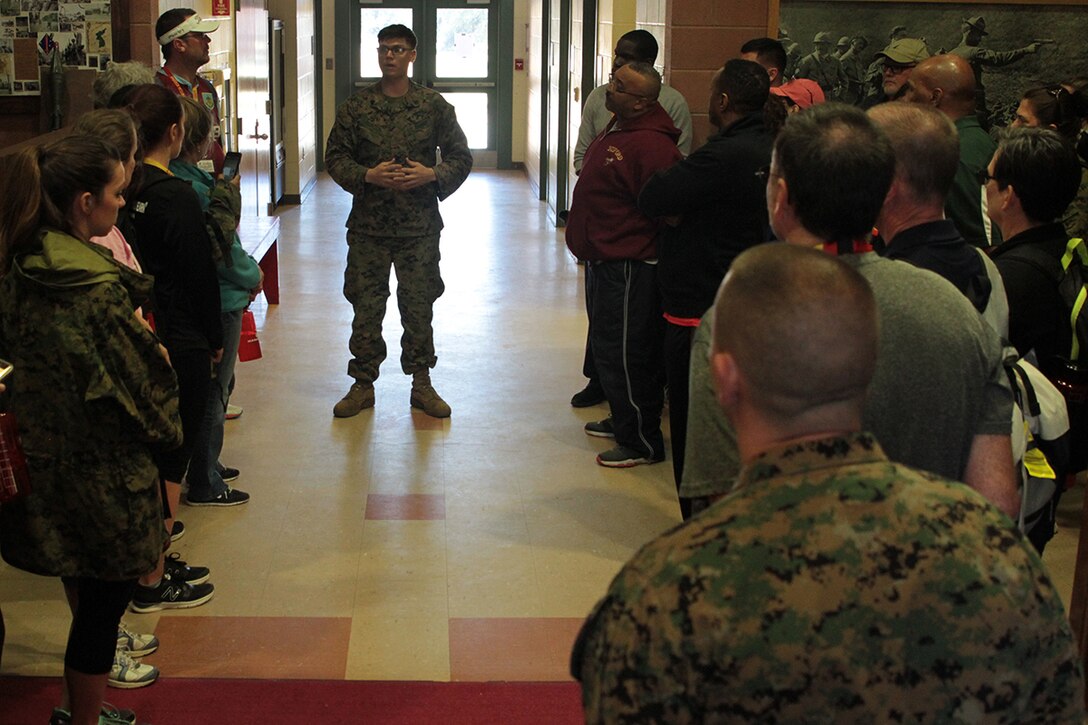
366,287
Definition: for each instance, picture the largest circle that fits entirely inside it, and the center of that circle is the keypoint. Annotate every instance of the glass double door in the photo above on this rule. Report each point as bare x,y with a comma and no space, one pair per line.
456,56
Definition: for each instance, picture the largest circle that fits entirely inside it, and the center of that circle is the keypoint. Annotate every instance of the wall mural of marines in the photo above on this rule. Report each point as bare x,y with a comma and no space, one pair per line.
1011,48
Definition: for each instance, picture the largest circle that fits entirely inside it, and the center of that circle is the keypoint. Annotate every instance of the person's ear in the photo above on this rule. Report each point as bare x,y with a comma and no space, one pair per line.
726,378
773,74
723,101
86,201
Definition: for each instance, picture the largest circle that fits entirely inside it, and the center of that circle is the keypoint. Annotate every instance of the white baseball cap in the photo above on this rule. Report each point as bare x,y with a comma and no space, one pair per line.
191,24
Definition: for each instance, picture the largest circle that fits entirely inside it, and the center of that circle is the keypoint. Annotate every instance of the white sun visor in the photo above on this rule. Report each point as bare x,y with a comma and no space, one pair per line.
191,24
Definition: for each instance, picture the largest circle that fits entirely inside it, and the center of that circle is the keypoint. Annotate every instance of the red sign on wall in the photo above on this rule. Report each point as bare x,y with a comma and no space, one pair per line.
221,8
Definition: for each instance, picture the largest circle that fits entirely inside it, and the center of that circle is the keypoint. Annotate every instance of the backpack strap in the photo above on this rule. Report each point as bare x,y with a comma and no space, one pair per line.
1075,249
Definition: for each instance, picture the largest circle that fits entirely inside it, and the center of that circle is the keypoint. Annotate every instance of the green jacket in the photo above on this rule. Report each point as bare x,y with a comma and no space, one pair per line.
92,395
238,272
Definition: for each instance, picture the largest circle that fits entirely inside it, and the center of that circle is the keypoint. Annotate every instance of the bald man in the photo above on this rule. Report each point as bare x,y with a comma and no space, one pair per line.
947,83
831,583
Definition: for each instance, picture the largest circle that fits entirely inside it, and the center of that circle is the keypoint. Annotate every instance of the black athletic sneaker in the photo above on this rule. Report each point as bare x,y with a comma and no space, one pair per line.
170,594
624,457
179,571
229,474
600,428
591,394
229,497
177,531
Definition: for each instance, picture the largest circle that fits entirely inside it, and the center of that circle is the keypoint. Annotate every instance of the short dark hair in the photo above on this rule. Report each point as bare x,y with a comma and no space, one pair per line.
645,44
1042,168
838,167
747,85
167,22
769,51
398,31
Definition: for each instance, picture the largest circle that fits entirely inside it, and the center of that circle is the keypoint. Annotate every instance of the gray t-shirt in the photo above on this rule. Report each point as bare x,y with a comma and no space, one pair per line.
939,381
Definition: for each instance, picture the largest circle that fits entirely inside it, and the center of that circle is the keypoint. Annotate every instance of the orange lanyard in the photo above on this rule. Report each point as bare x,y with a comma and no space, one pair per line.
192,92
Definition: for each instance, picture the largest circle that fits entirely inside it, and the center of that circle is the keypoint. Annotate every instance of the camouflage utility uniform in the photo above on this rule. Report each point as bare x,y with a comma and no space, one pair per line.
91,393
388,226
833,586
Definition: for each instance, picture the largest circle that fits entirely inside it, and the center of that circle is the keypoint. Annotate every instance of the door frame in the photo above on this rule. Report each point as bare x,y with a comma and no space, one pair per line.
347,22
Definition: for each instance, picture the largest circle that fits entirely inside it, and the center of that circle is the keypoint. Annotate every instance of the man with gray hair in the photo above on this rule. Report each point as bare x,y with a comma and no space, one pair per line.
619,246
912,220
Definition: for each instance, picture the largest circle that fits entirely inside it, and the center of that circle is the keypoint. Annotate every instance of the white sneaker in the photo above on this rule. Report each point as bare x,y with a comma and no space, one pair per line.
233,411
137,645
129,674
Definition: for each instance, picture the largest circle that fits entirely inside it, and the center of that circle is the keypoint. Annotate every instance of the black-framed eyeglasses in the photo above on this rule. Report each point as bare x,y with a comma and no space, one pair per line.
983,177
616,89
397,50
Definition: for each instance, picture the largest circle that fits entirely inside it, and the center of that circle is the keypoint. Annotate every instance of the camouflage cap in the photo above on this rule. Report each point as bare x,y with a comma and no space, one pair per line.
822,37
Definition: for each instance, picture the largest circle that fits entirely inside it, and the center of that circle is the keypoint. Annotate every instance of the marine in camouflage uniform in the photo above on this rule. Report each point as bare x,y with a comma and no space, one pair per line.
833,586
392,226
92,394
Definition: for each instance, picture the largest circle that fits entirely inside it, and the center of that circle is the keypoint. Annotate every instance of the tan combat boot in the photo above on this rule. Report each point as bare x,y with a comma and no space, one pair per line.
426,398
360,396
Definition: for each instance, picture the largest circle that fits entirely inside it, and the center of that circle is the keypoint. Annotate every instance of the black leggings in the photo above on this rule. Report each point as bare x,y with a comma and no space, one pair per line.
92,640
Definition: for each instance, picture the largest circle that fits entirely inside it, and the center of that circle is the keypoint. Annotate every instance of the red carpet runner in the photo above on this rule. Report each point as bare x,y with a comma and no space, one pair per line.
30,700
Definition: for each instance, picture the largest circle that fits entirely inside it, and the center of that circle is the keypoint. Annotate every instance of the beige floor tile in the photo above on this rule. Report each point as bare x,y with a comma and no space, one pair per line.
399,648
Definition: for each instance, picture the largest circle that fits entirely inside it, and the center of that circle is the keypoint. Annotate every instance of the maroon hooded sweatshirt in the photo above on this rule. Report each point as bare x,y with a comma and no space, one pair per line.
604,222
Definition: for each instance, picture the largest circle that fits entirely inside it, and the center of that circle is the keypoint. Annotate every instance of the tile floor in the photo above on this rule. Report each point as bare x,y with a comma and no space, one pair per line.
392,546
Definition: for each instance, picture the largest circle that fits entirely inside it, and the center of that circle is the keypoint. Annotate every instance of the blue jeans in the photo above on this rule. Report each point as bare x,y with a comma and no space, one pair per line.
204,479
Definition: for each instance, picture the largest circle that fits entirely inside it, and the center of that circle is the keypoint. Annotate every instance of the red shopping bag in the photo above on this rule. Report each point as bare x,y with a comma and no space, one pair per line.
249,347
14,475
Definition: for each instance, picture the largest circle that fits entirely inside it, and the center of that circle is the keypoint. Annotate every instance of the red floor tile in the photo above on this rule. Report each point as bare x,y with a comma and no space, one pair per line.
253,647
512,649
406,507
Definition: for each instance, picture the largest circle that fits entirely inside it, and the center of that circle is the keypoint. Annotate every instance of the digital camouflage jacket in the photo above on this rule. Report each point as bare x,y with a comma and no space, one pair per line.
371,128
833,586
91,394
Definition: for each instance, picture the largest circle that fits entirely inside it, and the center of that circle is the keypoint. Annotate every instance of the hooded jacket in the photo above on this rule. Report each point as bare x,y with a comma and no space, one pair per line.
91,395
605,223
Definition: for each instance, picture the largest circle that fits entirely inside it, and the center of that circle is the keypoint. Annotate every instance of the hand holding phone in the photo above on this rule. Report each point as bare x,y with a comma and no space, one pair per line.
231,162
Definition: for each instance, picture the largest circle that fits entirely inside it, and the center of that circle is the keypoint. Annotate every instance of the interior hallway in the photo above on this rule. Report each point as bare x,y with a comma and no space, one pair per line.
392,546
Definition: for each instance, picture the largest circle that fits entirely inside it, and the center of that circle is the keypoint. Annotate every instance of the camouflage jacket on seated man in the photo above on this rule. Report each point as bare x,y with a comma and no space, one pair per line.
833,586
92,393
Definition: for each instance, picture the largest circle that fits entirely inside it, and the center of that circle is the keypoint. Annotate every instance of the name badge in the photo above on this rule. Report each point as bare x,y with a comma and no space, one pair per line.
206,165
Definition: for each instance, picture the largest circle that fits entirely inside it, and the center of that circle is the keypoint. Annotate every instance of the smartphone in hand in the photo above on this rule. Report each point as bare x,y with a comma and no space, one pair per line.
230,165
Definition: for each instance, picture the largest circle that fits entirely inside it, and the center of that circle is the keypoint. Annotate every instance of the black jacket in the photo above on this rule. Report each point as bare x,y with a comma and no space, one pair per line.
722,209
176,250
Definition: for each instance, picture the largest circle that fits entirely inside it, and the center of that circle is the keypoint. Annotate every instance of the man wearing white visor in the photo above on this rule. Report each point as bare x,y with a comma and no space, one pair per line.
183,36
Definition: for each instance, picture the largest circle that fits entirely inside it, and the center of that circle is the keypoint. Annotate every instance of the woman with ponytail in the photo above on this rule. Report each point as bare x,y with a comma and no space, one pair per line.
91,393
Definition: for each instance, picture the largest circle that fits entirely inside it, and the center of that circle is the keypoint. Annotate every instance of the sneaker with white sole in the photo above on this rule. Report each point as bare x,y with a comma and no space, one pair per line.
128,674
181,572
177,530
624,457
600,428
229,497
137,645
227,473
233,411
170,594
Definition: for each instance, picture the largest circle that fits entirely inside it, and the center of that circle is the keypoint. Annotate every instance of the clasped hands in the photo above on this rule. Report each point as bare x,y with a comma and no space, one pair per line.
401,177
